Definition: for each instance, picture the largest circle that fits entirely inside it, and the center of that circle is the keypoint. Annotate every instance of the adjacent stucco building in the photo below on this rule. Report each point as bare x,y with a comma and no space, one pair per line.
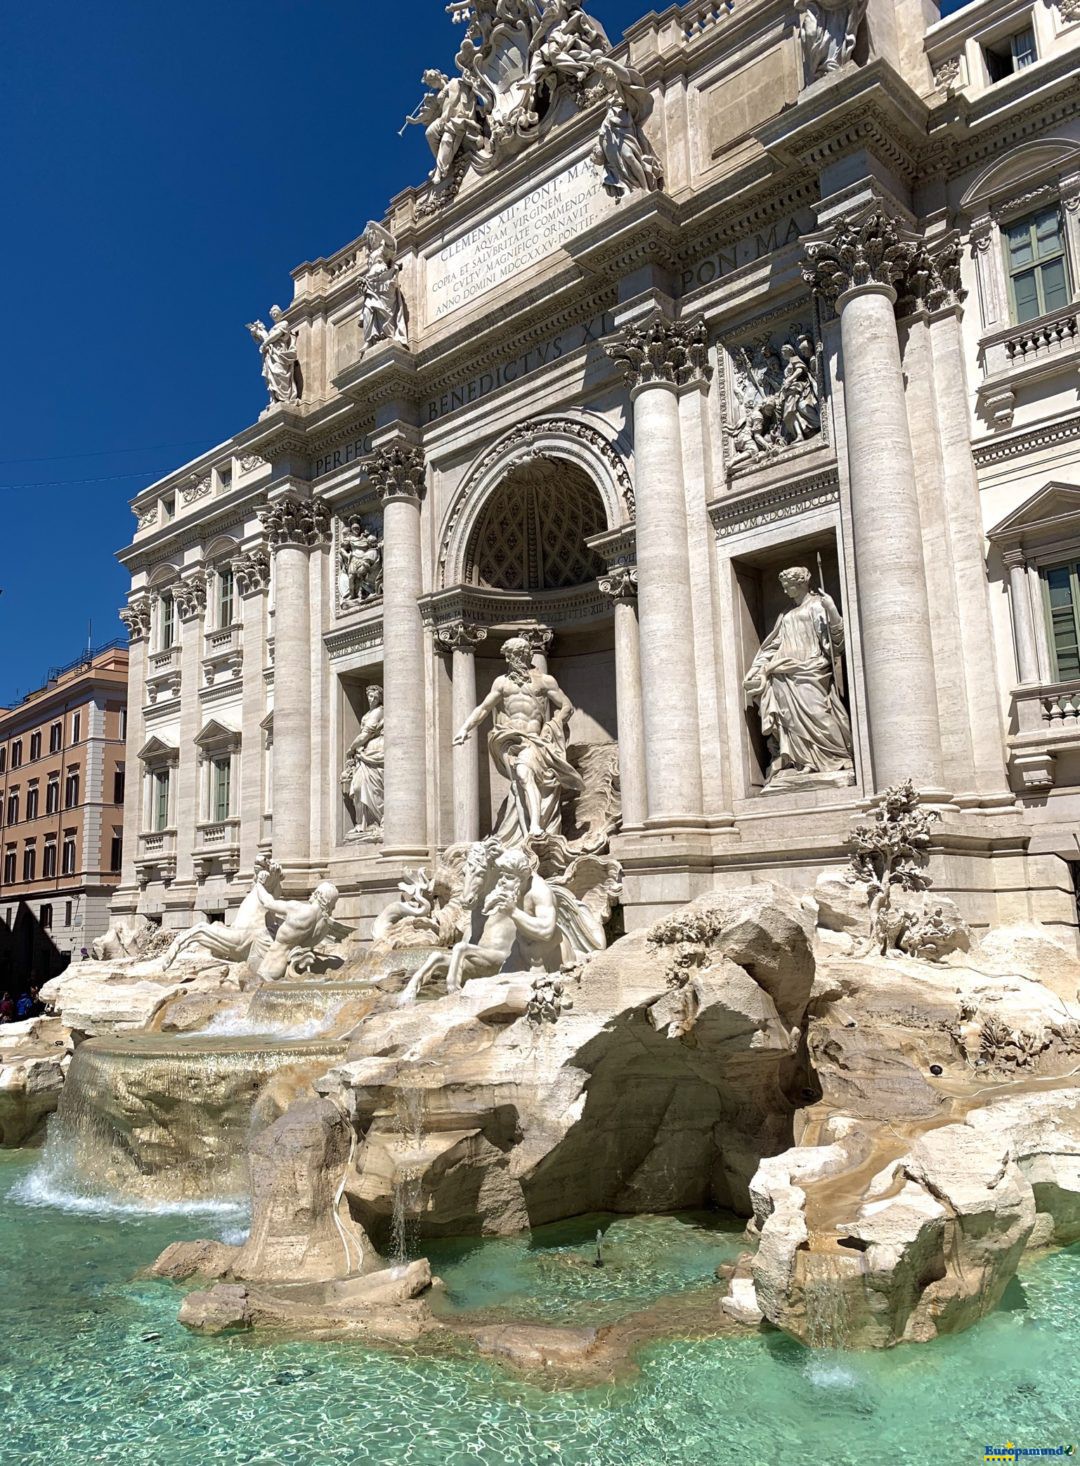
842,334
62,773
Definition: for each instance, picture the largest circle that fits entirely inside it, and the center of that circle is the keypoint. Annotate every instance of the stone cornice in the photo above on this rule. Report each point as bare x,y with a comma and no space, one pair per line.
360,636
735,514
1029,440
659,351
512,610
215,517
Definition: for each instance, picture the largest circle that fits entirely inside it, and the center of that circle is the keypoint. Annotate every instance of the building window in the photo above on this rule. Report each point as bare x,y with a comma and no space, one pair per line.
116,851
35,746
76,727
3,760
1062,602
56,737
48,860
45,918
1010,54
71,789
16,753
225,478
224,599
68,913
168,507
118,785
29,863
67,859
32,796
1035,259
167,622
123,724
159,814
9,866
52,794
13,807
220,781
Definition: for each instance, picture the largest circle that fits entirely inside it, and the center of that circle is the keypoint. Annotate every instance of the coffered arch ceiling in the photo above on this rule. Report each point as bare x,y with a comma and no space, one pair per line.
531,533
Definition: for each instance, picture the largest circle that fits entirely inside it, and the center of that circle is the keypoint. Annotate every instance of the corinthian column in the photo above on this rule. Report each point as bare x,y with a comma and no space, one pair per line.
857,265
136,616
294,527
397,471
621,585
461,640
662,359
190,599
251,575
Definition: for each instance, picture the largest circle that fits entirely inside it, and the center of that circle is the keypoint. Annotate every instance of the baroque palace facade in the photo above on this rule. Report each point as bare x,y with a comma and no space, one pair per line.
761,287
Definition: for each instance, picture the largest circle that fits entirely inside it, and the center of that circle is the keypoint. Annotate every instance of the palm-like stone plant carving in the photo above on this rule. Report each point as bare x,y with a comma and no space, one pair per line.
891,854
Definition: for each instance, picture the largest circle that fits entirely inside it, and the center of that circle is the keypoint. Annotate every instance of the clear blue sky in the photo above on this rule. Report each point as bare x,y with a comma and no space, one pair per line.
164,167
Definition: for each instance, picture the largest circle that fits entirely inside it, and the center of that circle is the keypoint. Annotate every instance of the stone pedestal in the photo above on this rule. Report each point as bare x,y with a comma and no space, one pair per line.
398,472
662,359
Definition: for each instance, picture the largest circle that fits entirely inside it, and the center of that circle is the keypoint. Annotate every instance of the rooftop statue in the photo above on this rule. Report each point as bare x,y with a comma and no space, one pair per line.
448,115
280,357
828,30
795,682
383,305
528,746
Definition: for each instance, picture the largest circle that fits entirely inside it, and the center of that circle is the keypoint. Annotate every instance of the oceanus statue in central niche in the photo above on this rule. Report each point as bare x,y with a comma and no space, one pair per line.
794,681
528,746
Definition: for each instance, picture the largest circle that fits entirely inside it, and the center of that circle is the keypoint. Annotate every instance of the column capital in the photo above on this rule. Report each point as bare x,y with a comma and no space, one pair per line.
459,636
136,617
251,572
539,638
660,352
620,584
933,276
190,595
866,251
297,521
396,470
1013,557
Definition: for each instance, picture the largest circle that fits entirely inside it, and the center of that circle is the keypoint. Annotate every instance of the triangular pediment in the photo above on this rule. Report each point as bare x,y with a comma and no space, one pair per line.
157,749
1054,507
216,732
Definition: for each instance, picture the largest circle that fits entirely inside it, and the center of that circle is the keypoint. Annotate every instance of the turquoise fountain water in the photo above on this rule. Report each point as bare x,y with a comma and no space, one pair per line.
93,1367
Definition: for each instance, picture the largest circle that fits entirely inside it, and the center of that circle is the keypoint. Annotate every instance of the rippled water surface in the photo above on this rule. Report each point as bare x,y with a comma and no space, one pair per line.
93,1368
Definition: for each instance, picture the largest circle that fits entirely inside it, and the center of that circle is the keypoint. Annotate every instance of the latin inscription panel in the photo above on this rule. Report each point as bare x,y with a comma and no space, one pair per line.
537,225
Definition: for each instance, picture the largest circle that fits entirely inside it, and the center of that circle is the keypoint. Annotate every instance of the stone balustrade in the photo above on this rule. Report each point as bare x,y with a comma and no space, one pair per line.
699,18
156,856
1018,354
1046,720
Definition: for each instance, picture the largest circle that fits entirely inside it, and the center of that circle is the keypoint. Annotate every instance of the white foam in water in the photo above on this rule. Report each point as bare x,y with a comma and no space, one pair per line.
231,1025
42,1190
830,1375
235,1236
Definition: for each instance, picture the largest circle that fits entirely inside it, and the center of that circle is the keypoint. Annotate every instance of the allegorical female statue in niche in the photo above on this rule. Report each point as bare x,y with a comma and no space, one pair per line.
363,774
794,681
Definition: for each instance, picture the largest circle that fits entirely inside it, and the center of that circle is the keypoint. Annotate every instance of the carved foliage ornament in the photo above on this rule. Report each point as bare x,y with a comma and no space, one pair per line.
251,572
933,278
136,617
459,636
871,249
660,351
621,584
190,595
295,521
397,471
198,488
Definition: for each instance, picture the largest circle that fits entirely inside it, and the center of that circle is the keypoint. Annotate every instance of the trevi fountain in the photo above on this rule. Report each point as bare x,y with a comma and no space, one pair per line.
596,972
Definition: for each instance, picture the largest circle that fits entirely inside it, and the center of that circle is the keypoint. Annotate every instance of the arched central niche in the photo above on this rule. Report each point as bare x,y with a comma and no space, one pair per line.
531,533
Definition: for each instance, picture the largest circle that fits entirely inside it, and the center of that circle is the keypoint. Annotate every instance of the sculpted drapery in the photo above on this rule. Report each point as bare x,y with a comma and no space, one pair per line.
793,681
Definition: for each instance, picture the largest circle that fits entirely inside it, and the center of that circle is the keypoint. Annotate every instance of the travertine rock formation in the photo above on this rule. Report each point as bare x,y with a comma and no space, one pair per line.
33,1062
676,1069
